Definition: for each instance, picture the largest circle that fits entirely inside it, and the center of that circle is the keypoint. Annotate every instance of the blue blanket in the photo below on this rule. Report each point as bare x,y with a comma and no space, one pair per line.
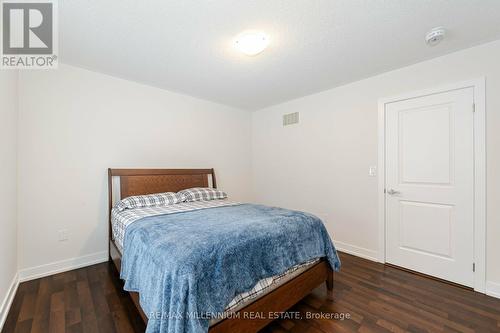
189,265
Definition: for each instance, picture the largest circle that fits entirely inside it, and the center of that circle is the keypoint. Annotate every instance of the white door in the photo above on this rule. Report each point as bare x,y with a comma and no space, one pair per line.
430,185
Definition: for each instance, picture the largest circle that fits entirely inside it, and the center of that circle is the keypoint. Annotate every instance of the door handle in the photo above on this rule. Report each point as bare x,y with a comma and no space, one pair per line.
393,192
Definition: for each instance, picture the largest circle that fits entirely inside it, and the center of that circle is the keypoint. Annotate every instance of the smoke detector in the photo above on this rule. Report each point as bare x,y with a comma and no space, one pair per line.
435,36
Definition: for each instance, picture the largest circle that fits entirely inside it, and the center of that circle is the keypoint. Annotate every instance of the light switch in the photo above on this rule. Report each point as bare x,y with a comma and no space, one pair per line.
372,171
63,235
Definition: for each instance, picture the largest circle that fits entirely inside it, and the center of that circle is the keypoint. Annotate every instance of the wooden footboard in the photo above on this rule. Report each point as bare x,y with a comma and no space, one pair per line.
279,300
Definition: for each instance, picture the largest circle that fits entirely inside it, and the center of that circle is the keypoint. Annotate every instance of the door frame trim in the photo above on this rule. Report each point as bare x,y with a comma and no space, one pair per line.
479,88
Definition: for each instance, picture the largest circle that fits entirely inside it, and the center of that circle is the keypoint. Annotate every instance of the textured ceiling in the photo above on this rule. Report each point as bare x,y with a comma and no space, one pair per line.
186,45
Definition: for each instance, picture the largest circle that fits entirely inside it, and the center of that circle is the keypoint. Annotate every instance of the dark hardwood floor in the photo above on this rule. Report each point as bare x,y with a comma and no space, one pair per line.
375,297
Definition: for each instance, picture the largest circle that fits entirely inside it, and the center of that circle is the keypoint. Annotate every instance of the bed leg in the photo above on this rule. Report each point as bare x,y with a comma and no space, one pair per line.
329,284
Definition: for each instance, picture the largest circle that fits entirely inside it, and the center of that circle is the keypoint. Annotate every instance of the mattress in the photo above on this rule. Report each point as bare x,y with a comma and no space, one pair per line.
120,221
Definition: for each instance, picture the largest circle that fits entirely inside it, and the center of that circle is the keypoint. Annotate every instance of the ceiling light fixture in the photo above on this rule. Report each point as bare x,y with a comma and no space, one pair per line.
251,43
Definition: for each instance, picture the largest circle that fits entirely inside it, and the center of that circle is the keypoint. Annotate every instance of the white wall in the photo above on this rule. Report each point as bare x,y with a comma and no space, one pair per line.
8,184
74,124
321,165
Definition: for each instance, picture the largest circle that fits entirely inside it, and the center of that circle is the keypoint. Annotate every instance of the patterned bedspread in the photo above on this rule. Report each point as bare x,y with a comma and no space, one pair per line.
120,220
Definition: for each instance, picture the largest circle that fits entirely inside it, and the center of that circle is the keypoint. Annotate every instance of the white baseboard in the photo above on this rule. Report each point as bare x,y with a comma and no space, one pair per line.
493,289
7,302
62,266
357,251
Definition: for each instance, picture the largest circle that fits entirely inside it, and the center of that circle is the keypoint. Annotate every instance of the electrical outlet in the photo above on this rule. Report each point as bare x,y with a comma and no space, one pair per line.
63,235
372,171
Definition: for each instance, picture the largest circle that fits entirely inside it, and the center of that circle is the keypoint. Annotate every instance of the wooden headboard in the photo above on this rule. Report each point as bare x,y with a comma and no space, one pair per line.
147,181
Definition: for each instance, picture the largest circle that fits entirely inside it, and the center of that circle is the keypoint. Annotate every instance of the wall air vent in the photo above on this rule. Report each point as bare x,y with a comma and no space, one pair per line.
290,119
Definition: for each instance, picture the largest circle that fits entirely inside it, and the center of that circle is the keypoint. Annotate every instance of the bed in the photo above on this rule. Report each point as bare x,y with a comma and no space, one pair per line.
275,294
